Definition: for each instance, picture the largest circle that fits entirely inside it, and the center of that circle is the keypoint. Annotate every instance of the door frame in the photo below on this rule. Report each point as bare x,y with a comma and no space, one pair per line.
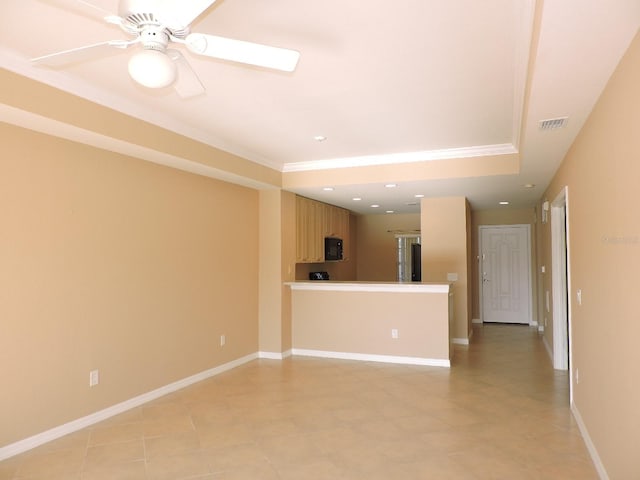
560,261
527,228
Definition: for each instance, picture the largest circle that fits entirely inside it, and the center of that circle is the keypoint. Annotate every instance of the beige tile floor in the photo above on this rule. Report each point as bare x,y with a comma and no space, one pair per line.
501,412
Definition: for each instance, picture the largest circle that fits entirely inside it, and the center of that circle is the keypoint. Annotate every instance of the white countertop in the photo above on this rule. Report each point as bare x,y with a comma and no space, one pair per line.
335,286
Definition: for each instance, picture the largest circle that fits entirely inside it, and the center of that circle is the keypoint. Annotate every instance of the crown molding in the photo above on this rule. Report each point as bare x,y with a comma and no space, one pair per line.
404,157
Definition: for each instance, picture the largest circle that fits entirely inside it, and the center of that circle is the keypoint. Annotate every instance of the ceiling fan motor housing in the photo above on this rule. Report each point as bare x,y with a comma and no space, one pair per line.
138,15
154,37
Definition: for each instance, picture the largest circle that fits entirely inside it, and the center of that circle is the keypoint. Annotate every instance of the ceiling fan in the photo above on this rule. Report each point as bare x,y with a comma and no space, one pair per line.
155,24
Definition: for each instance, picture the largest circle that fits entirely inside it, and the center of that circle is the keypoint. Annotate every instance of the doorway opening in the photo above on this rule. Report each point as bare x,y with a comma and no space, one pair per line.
409,258
561,283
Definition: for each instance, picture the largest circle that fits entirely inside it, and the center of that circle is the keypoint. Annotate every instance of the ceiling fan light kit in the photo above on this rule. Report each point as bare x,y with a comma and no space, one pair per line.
152,68
157,23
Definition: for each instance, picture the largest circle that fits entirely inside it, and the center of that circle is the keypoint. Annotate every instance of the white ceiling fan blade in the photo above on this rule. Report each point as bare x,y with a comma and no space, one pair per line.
82,53
86,9
178,14
187,84
243,52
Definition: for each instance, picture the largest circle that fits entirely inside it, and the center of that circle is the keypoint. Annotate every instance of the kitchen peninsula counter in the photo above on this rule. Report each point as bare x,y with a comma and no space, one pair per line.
395,322
329,285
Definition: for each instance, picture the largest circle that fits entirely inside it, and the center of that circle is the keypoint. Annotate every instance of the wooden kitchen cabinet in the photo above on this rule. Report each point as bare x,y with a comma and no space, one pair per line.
309,249
342,220
315,221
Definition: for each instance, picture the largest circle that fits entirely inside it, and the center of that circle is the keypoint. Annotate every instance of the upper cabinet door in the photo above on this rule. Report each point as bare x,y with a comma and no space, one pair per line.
314,222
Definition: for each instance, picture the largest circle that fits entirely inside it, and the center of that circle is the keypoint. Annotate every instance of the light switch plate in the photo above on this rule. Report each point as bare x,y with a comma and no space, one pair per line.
94,378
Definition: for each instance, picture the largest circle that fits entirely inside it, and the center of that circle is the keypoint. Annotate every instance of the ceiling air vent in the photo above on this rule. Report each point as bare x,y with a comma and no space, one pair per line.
553,123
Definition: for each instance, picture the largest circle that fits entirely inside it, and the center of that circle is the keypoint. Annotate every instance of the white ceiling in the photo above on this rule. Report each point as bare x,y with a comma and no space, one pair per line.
385,82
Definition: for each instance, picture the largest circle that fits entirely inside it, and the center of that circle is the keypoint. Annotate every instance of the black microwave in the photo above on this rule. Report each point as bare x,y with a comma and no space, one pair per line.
332,249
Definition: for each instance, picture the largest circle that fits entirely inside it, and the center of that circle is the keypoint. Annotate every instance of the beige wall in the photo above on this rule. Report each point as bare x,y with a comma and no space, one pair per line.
114,264
602,171
277,244
361,322
507,164
377,247
445,232
148,141
288,225
270,254
500,216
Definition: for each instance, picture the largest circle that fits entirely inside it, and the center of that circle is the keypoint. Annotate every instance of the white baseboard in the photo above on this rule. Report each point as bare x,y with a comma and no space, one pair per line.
80,423
460,341
533,323
433,362
274,355
476,320
595,458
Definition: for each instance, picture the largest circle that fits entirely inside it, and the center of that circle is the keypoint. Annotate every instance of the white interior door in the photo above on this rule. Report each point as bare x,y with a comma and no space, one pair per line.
505,274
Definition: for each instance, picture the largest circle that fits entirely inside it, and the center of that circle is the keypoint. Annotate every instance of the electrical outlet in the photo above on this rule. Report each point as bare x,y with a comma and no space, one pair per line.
223,340
394,333
577,376
94,378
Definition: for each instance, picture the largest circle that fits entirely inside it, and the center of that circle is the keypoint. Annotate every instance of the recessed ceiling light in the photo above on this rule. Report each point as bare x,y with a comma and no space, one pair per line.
389,211
375,205
529,185
328,189
391,185
419,195
319,138
504,203
356,199
411,204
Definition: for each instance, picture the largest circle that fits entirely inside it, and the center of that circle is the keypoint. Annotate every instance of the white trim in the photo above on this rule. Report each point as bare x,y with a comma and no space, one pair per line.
540,328
370,287
270,355
476,320
460,341
80,423
274,355
560,289
397,158
364,357
593,452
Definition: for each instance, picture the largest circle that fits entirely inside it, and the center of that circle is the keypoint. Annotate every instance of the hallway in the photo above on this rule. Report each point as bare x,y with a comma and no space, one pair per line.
501,412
